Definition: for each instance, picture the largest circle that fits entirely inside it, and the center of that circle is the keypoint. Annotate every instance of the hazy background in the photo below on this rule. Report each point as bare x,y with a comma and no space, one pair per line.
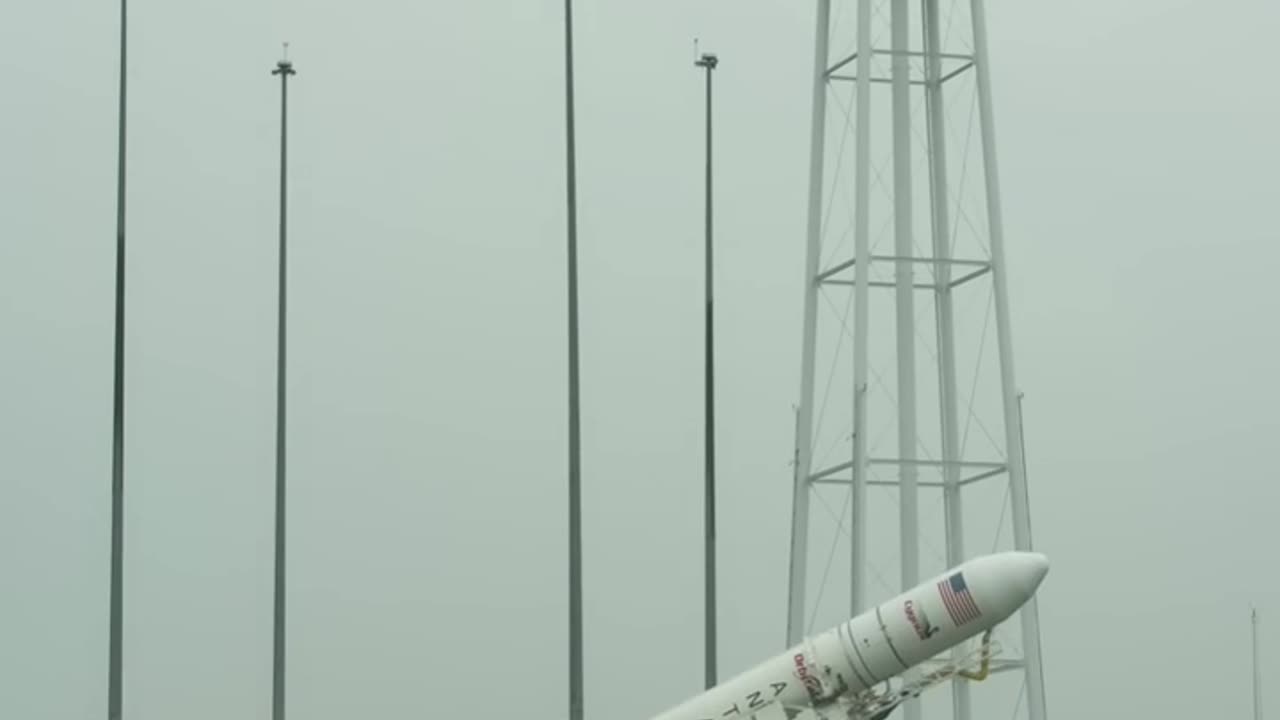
427,523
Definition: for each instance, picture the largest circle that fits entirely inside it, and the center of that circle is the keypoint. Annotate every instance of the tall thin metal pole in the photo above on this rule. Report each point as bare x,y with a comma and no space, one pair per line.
115,672
284,69
1257,671
709,62
575,469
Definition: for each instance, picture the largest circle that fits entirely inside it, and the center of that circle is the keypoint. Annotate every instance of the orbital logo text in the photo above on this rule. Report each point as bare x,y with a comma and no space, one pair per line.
812,685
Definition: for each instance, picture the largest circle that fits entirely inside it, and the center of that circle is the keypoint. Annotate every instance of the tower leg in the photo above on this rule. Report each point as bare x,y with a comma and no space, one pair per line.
804,424
1008,385
904,295
862,316
945,317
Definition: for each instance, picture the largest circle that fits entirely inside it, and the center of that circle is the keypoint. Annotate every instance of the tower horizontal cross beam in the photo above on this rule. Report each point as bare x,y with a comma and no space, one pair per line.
918,286
828,277
887,81
832,480
847,264
986,470
908,53
915,462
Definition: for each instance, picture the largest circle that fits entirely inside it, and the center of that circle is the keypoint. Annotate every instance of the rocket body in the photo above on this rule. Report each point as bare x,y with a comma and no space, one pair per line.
881,643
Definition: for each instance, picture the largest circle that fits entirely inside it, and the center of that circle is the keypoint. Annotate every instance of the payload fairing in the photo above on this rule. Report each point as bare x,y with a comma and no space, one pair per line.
837,673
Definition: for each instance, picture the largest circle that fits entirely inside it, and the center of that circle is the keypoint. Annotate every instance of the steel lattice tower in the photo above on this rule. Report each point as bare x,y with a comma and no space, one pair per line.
909,436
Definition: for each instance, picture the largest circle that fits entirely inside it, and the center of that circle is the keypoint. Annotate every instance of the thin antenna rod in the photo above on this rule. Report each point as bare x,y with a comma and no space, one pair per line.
709,61
284,69
575,470
1257,671
115,672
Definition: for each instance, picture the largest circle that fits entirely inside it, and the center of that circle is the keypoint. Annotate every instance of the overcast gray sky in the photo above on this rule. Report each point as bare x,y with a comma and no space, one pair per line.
427,456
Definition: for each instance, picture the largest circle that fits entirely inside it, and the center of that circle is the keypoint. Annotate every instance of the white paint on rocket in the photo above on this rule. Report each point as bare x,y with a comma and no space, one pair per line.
855,657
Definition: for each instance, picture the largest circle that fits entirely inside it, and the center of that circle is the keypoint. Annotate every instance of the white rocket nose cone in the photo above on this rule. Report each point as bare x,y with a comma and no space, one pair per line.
1030,569
1005,581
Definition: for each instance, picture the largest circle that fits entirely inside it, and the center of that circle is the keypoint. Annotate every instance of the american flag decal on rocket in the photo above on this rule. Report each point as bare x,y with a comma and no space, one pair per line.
960,604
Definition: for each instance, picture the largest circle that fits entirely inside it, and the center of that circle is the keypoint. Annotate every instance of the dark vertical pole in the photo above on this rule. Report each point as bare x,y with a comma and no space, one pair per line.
1257,672
575,470
709,62
115,672
284,69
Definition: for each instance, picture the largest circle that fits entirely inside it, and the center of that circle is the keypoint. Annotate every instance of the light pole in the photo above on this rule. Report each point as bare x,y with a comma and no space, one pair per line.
284,69
709,62
115,671
575,468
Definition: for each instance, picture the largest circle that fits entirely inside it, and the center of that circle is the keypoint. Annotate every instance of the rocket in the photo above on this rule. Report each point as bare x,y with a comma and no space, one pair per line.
849,670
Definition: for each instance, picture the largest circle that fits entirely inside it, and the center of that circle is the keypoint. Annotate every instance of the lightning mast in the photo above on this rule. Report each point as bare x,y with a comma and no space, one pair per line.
284,68
709,61
115,652
576,694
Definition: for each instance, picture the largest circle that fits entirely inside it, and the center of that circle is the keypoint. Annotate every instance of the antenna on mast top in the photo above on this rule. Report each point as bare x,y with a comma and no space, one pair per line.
284,66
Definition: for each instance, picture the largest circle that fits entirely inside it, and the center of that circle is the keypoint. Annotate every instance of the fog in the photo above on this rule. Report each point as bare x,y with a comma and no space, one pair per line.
427,370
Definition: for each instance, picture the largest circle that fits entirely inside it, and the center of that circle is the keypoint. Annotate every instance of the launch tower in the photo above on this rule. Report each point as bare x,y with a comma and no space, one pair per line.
909,436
